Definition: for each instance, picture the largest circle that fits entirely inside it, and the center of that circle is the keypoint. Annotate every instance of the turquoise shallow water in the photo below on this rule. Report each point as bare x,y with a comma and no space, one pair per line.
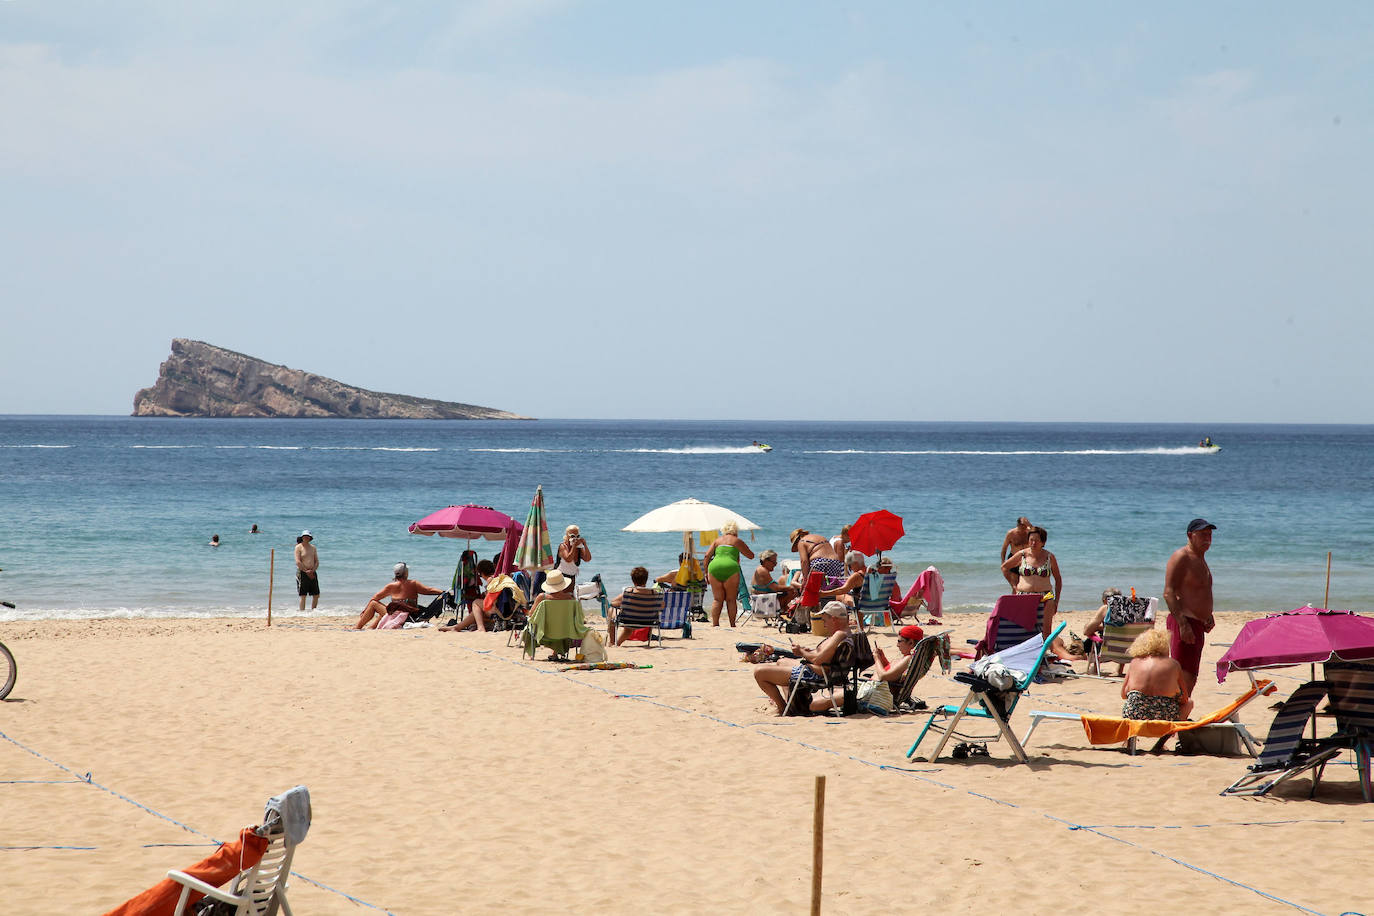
110,516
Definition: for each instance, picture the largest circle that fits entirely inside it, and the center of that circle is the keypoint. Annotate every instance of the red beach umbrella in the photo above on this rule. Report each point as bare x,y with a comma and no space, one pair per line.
1307,634
874,532
466,522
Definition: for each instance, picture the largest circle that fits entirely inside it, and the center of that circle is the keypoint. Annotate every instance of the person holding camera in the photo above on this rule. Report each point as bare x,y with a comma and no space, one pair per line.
571,552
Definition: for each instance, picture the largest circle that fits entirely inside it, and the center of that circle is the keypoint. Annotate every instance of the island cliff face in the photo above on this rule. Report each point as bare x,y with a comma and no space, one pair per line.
201,380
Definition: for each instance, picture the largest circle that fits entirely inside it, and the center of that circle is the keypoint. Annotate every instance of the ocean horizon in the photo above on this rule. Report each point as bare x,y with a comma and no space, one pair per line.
111,515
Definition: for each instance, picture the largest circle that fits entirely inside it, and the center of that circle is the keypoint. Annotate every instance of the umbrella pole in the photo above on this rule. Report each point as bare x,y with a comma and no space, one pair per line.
1326,599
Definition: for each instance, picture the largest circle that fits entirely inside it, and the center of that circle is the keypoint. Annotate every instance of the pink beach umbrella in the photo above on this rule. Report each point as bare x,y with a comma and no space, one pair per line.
1305,635
467,523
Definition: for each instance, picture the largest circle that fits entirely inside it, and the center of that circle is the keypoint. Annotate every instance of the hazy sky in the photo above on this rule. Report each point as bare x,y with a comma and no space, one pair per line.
784,209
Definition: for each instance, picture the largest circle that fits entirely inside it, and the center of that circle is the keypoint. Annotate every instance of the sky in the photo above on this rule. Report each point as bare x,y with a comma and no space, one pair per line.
756,210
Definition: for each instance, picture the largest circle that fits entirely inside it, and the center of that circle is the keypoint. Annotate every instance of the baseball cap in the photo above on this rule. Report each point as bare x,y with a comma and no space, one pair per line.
400,569
835,609
1199,524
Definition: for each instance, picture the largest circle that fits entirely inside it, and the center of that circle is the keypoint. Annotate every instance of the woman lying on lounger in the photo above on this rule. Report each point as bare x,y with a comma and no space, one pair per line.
808,672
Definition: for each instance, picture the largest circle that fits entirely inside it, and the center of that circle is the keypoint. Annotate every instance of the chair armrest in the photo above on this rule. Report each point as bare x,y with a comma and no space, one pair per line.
200,886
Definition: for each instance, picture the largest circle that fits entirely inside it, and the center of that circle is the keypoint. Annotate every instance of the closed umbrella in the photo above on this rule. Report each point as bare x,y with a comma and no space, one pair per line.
534,553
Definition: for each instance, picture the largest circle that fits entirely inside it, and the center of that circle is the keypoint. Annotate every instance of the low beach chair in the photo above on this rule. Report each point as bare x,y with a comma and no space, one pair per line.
1286,754
638,612
992,705
1014,619
1102,730
764,606
676,615
1126,619
1352,703
852,657
875,601
556,623
928,651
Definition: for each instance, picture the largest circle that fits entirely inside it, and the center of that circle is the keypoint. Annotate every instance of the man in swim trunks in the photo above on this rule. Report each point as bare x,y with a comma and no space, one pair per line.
1188,593
1017,538
307,569
403,592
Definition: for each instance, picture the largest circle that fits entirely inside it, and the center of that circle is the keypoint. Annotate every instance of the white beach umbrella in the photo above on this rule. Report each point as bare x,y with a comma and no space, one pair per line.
689,515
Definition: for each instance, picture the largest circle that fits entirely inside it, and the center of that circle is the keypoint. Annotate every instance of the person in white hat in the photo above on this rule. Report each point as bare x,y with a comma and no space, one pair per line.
307,569
809,672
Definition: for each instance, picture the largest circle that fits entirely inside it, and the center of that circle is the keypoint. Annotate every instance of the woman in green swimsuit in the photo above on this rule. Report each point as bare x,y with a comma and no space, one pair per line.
722,571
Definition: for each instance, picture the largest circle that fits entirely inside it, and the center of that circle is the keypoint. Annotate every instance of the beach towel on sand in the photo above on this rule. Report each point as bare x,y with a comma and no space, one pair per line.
218,869
1113,730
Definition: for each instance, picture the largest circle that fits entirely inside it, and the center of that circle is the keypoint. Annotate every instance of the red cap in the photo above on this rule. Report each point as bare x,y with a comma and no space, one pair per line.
911,632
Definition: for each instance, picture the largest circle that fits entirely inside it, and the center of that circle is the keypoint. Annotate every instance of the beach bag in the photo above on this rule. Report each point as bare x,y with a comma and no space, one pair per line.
593,648
1122,610
876,697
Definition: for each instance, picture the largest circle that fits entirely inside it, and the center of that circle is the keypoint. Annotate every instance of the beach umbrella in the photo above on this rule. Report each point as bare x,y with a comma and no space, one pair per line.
534,552
466,522
689,515
874,532
1304,635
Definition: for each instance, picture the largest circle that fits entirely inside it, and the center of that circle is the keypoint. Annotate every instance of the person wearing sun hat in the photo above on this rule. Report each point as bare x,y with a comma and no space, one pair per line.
808,673
307,569
1188,593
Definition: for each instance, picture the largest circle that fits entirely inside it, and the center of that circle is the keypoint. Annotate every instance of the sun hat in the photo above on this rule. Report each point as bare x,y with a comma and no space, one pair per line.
796,536
556,582
399,570
836,609
306,534
1199,524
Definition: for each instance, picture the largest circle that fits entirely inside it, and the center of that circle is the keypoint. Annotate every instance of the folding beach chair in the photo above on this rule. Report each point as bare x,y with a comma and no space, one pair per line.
1352,703
676,615
852,657
929,650
1115,730
639,612
556,623
875,608
1286,754
993,704
764,606
1014,619
1126,619
261,889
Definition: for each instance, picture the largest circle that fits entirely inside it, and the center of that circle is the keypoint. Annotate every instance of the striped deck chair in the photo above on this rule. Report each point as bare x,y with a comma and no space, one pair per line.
1126,619
927,651
639,612
1115,730
1285,753
676,615
1010,624
1352,703
987,704
874,602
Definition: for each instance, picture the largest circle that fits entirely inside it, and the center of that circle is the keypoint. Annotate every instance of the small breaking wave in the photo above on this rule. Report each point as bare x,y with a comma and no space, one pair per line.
35,446
1158,450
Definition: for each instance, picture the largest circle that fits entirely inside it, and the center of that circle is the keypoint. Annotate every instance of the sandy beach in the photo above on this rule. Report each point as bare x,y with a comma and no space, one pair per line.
448,774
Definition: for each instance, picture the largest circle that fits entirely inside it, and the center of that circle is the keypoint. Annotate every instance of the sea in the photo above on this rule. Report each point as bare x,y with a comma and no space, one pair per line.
112,516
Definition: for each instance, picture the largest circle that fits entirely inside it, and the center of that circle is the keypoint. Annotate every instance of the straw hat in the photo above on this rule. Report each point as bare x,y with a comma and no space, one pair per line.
556,582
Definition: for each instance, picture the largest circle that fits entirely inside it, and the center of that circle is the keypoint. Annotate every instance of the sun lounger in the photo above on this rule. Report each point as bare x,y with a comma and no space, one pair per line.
1286,754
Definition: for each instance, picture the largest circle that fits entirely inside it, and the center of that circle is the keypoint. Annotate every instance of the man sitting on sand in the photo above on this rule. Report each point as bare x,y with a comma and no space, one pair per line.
809,671
1155,685
402,590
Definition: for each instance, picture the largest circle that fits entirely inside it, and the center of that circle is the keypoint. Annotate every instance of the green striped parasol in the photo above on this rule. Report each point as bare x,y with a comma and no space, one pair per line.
534,552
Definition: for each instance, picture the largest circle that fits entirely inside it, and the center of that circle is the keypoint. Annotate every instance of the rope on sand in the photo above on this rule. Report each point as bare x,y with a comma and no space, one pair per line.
86,778
908,773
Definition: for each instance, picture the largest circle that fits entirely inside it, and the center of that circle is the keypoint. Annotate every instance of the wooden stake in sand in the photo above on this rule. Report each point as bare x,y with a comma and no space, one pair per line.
1326,599
271,575
817,846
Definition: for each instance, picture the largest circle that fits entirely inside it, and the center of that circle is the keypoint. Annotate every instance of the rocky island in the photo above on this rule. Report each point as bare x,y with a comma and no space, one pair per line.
202,380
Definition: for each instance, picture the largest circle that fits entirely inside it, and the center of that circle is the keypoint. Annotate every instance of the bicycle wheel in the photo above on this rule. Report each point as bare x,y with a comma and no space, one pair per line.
8,669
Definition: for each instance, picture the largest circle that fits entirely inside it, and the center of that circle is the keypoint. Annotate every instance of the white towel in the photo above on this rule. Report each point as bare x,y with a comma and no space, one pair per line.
293,807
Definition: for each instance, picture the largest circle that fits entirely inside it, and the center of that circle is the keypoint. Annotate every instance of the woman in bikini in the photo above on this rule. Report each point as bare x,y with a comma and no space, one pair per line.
1154,687
817,553
1029,572
722,571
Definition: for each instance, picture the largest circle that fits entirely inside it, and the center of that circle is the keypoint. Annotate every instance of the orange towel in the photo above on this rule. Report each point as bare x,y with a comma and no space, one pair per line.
217,869
1115,730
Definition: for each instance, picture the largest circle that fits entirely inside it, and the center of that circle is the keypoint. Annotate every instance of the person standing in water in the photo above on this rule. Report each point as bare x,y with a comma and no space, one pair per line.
307,570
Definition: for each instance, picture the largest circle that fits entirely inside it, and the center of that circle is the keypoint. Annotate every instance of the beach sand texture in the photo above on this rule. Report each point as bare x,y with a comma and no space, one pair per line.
449,775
